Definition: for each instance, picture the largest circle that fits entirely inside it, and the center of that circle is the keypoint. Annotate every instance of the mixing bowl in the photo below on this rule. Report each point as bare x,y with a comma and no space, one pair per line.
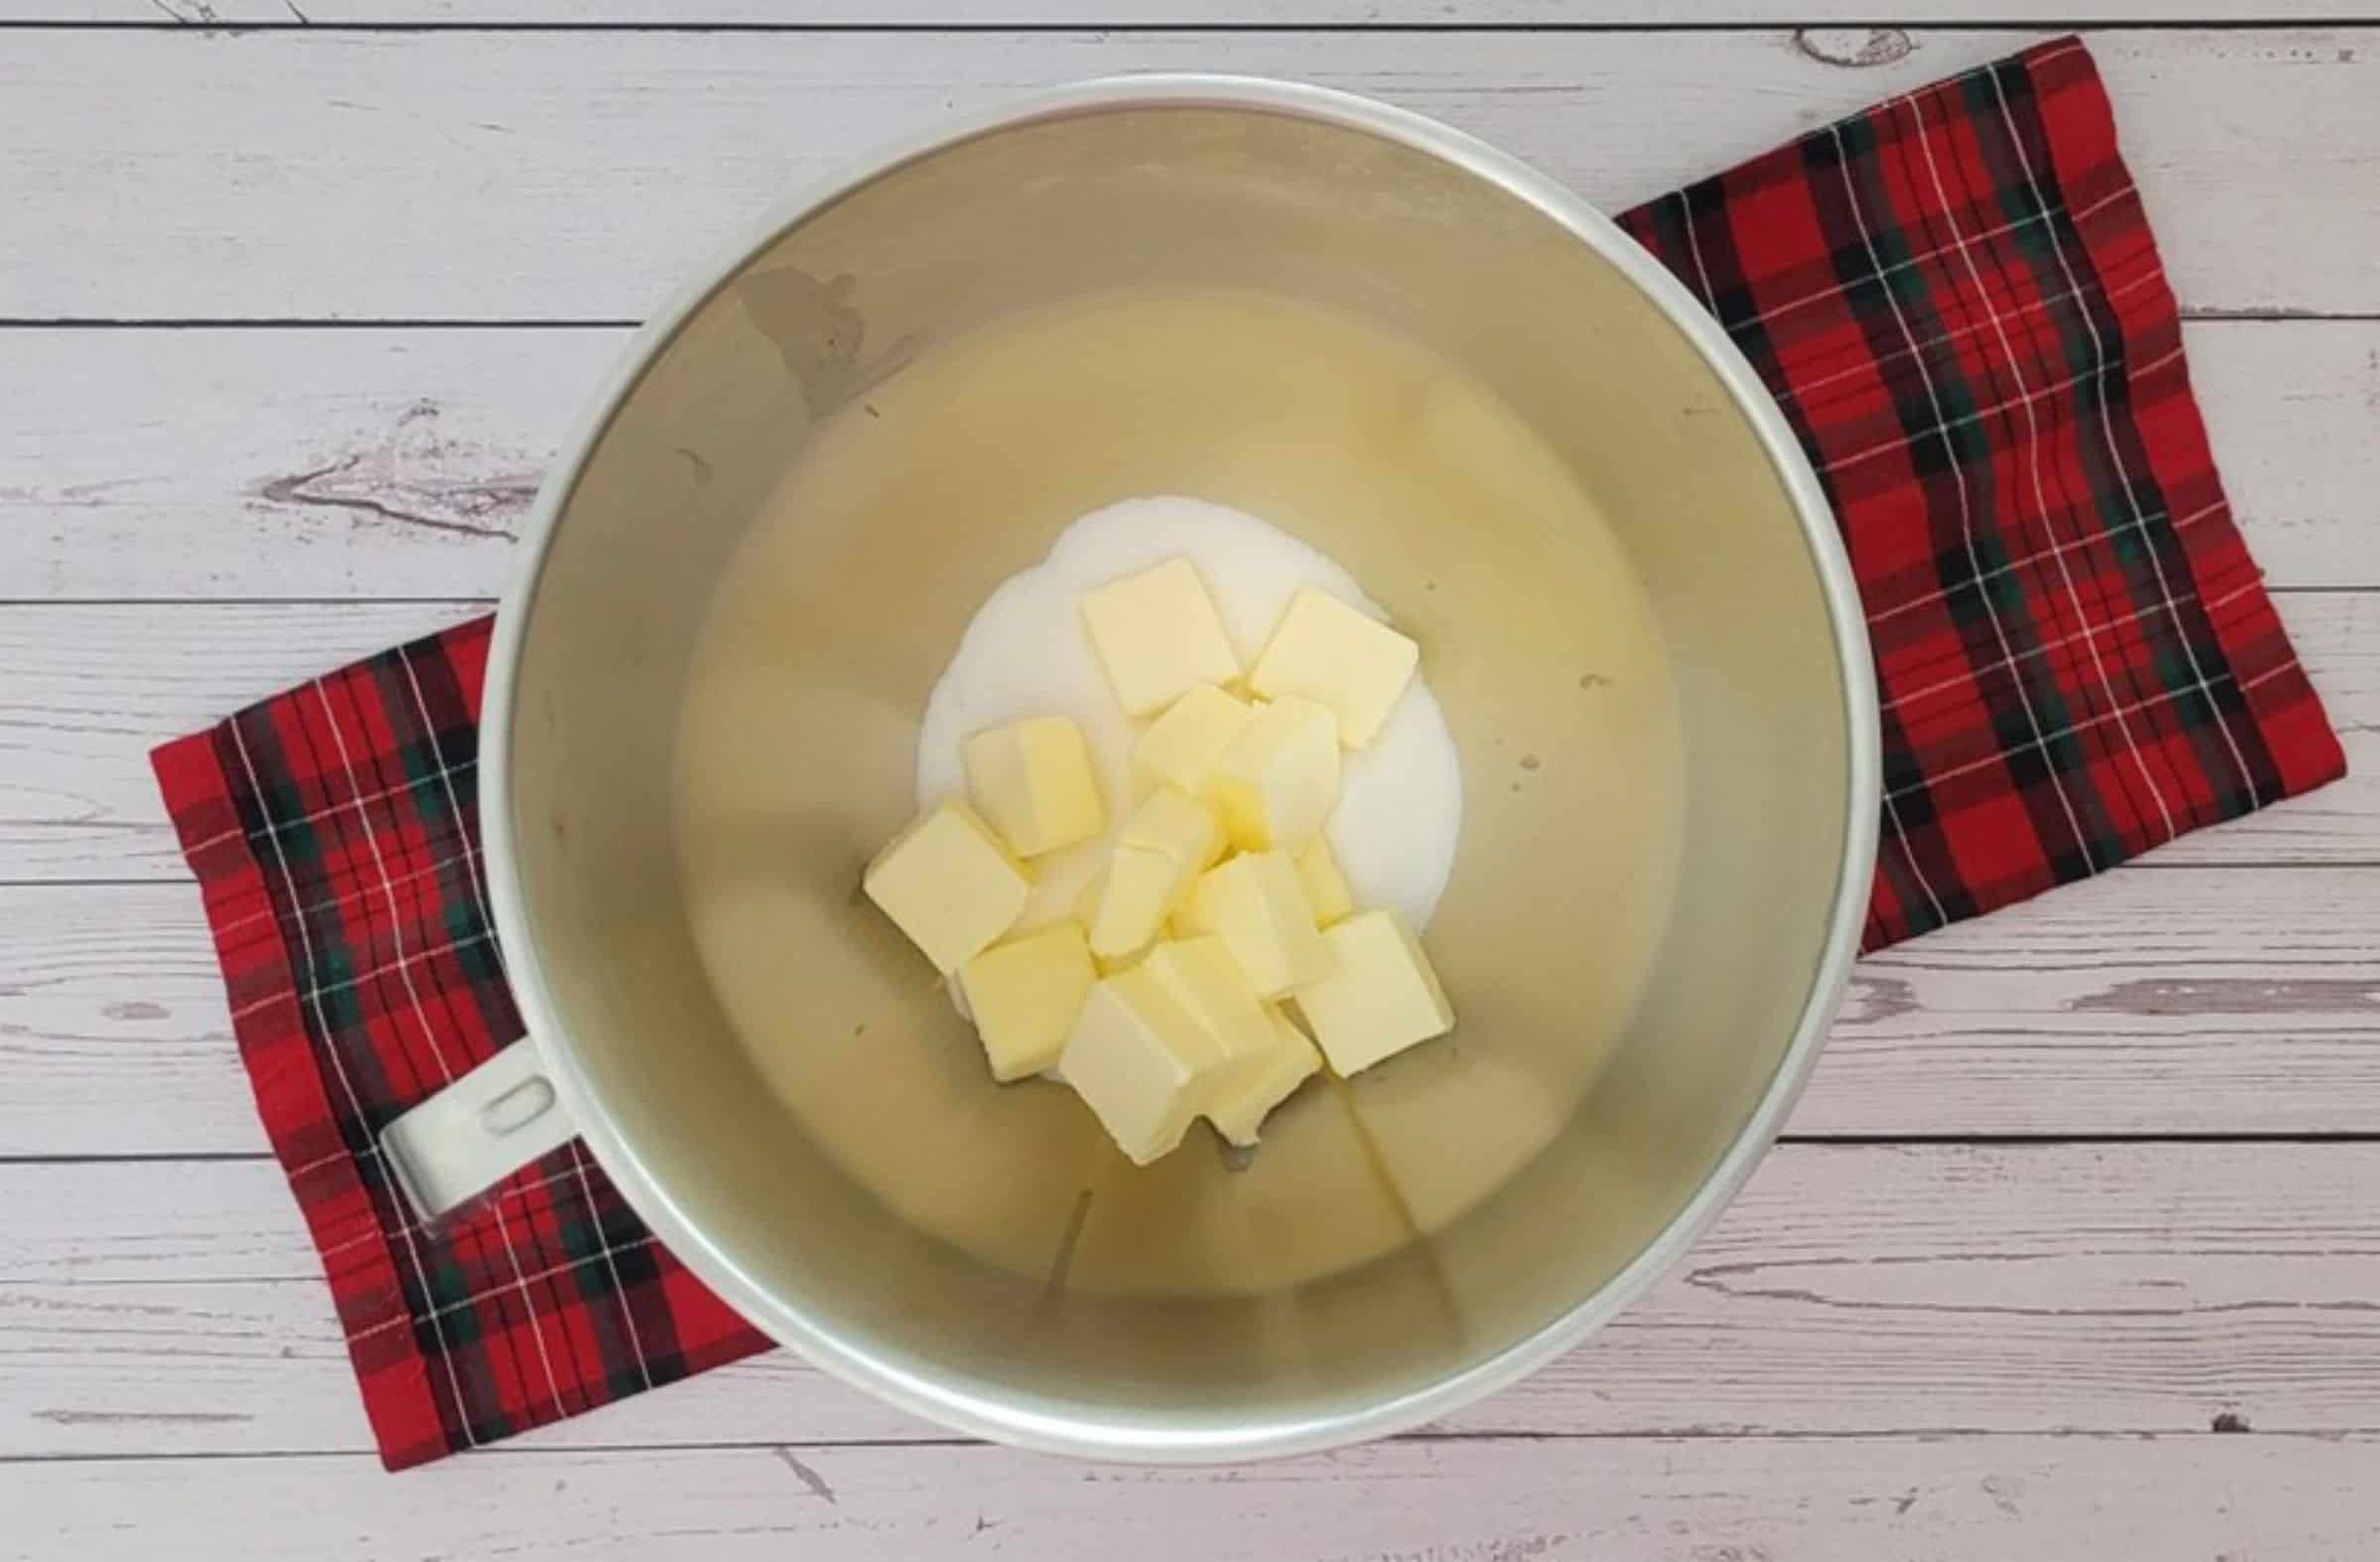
1546,1162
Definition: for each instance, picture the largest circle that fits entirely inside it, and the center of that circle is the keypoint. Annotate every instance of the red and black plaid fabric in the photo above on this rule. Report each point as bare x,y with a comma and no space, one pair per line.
1955,298
334,830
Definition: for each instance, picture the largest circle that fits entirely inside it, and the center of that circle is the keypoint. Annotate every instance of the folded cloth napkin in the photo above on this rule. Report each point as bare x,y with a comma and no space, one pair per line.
1958,301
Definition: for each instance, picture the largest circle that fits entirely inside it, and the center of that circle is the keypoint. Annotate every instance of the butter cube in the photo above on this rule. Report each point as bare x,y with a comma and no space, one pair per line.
1158,635
1200,975
1086,901
1158,854
1379,996
1025,995
948,883
1175,823
1292,1063
1322,649
1032,779
1141,1065
1054,894
1086,911
1279,777
1256,904
1137,892
1325,885
1181,747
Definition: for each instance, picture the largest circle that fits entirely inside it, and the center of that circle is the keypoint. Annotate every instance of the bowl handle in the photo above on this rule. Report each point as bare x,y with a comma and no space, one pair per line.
478,1130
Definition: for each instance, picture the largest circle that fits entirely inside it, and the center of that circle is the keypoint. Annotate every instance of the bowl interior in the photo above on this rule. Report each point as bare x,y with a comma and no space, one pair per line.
1635,921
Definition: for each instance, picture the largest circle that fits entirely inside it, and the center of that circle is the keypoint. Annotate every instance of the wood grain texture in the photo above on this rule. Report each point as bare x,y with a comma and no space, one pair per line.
2189,1000
1706,1500
575,175
290,463
115,1038
358,463
2150,1001
150,1309
1944,1350
90,689
201,15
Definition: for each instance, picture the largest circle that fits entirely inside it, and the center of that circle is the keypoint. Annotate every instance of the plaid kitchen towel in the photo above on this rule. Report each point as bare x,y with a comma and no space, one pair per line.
334,830
1957,300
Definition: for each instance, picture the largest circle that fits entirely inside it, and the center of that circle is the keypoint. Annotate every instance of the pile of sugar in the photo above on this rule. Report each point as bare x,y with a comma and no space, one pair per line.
1026,653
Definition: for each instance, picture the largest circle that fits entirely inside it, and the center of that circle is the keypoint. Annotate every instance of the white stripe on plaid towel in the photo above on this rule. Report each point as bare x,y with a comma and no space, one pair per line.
422,1226
1943,425
2115,459
578,1151
551,1271
317,817
446,773
2162,696
1798,395
334,902
529,1304
355,1104
1966,519
578,1162
1900,838
309,993
413,994
1694,247
2122,528
1969,675
339,904
2041,498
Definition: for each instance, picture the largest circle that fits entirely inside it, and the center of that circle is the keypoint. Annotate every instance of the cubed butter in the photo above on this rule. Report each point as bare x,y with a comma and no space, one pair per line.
1172,821
1137,892
1086,911
1256,904
1325,885
1180,748
1278,778
1325,651
1025,995
1210,984
1201,976
1379,996
1159,852
1054,895
1158,635
1032,781
1087,899
1292,1063
1140,1061
948,883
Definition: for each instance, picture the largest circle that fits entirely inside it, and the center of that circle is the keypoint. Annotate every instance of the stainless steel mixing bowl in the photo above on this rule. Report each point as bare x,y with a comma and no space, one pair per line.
1380,216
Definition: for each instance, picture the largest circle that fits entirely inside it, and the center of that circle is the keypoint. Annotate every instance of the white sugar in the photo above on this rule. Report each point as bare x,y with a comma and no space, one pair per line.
1026,653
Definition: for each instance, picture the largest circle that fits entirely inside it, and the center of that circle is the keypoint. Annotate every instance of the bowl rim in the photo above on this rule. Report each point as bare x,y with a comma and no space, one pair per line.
1148,1439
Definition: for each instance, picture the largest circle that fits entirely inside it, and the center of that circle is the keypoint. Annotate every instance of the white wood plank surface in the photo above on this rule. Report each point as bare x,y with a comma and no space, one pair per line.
1435,13
228,463
90,689
150,1309
2185,1001
410,175
1697,1500
1936,1350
